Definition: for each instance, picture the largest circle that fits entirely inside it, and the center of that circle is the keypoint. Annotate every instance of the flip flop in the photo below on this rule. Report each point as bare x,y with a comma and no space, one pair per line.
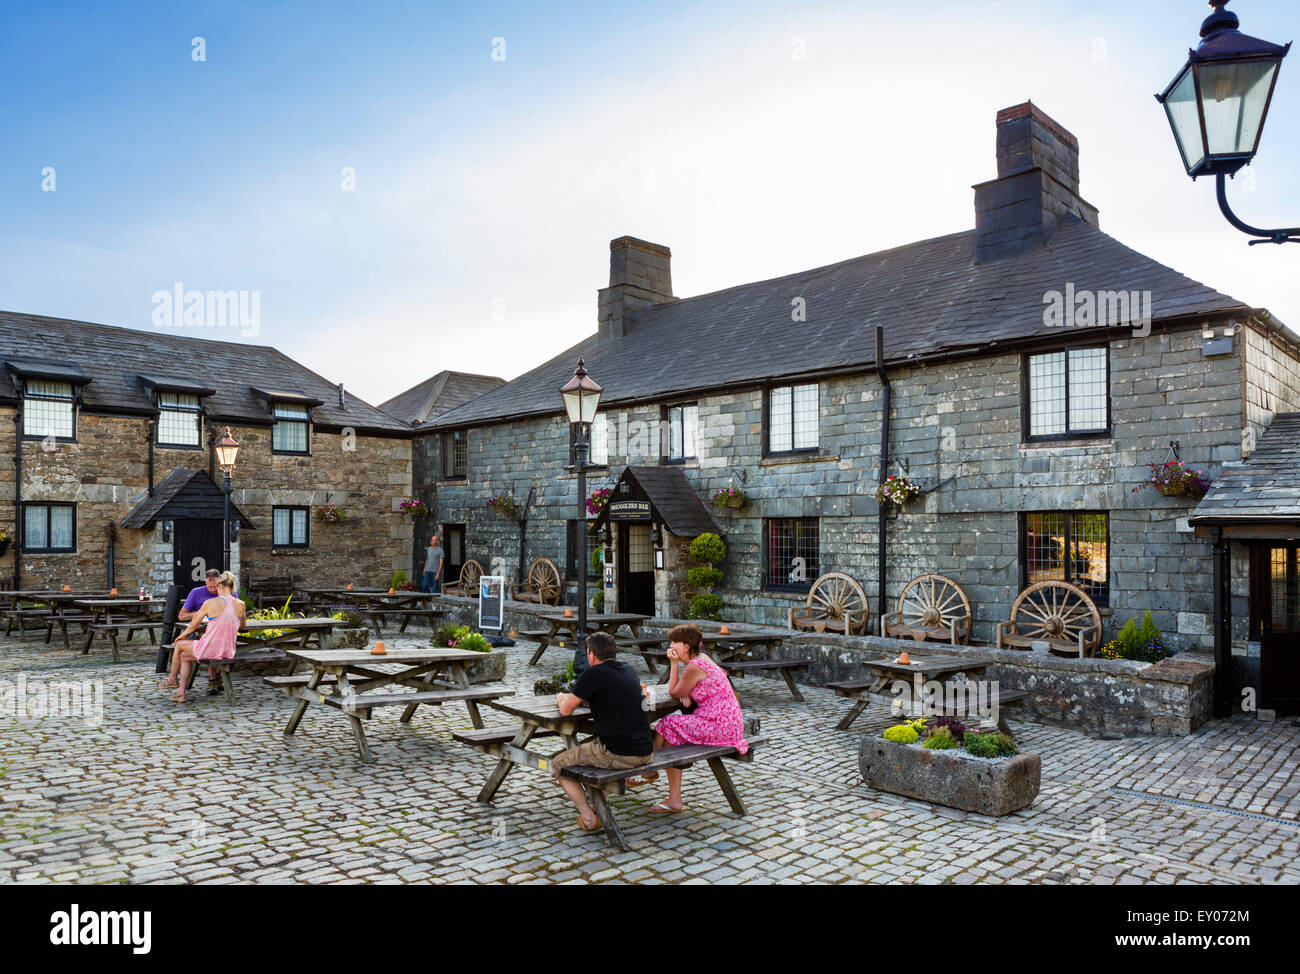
641,780
663,808
586,828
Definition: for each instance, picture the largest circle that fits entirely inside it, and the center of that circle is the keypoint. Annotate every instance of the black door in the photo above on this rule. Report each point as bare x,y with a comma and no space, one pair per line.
197,548
1277,587
453,552
636,569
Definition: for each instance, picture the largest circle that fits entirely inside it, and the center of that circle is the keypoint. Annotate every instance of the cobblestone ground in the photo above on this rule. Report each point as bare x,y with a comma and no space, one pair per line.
206,793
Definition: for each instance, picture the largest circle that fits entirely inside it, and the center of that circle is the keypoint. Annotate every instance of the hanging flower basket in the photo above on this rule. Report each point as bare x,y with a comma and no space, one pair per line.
897,490
331,514
415,508
503,505
729,498
598,500
1174,478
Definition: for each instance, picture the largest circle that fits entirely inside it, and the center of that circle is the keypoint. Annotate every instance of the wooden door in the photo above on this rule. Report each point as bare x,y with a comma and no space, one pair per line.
1275,578
636,569
453,552
197,547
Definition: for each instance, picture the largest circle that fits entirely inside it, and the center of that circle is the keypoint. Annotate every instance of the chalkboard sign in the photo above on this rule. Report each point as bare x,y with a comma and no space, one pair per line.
491,602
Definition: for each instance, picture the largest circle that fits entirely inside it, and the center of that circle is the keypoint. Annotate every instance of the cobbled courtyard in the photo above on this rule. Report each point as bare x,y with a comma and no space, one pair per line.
206,793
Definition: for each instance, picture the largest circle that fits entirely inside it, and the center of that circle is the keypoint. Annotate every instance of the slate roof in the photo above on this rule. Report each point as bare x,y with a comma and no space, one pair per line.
930,296
437,394
183,494
113,359
1264,488
674,500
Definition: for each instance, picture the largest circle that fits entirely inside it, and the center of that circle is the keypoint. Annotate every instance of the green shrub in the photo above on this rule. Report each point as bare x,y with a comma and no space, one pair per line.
706,605
705,576
598,600
447,633
270,612
1148,631
1128,638
708,547
901,734
992,745
350,619
940,739
399,579
475,642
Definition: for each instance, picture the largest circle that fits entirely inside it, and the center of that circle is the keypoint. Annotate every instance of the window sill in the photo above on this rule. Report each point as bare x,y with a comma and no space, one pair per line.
49,551
780,460
291,551
453,482
290,453
179,446
1073,442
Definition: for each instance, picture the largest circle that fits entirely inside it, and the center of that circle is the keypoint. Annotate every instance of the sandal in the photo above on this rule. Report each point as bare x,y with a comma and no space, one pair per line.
586,828
168,685
663,808
641,780
178,697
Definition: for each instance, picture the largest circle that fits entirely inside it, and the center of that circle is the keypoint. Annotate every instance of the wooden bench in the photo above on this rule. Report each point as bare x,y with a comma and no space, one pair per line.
857,690
784,666
466,584
595,781
930,607
21,616
1057,613
489,739
836,603
543,639
360,705
65,619
1006,698
544,585
270,588
111,629
430,614
225,666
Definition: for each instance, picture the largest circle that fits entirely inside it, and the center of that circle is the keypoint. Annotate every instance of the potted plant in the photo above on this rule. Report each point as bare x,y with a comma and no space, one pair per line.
561,682
331,514
708,549
503,505
728,498
896,490
598,500
414,507
1174,478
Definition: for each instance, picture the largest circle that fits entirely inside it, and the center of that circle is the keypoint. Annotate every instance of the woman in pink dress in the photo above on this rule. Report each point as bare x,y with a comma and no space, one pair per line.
227,615
693,677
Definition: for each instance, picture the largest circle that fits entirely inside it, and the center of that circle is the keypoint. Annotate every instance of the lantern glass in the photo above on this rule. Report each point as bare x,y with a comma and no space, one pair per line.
1234,97
1185,120
581,396
227,452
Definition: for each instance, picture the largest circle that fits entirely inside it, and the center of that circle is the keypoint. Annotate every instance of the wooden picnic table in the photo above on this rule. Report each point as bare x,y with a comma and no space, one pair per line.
251,650
539,716
561,627
111,614
346,679
886,671
734,652
44,607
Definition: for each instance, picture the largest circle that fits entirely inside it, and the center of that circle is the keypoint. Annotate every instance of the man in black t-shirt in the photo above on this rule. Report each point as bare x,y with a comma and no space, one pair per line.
623,739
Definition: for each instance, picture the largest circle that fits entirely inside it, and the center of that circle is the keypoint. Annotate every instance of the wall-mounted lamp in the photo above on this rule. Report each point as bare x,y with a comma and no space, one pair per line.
234,530
656,538
167,532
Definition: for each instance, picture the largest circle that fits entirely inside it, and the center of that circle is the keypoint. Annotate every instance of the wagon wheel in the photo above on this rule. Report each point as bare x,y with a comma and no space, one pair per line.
470,573
834,594
935,601
1056,610
544,579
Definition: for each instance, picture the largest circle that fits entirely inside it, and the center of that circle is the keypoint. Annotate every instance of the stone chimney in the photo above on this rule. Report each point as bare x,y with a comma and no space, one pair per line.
639,276
1037,184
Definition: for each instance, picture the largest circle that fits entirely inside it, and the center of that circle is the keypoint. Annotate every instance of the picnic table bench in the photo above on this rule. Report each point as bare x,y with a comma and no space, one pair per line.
888,671
595,781
783,666
275,589
436,676
561,628
115,614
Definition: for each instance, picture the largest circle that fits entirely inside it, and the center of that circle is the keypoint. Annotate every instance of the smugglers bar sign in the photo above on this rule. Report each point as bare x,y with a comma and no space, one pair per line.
629,510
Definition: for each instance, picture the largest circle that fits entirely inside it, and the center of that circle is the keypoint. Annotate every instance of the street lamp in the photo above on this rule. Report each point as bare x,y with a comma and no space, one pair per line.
227,451
1217,104
581,397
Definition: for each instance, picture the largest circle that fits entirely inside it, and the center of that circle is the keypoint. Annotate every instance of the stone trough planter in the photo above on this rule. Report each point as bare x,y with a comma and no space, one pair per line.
987,786
350,638
491,669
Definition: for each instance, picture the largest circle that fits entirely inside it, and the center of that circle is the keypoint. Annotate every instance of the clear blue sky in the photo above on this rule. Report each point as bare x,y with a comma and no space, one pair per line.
487,190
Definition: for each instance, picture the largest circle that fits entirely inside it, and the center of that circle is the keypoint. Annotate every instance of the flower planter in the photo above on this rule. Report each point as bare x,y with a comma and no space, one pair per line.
358,638
987,786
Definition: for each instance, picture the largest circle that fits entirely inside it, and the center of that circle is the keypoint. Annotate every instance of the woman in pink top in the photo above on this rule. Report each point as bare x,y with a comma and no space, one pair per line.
227,616
694,678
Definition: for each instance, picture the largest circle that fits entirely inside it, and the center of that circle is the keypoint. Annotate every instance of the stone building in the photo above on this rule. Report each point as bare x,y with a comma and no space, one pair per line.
108,476
1033,368
416,408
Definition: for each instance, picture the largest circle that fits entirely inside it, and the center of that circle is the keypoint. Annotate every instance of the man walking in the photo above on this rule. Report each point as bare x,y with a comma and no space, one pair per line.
432,581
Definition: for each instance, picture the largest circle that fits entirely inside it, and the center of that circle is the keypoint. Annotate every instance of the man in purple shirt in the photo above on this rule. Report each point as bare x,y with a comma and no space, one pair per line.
198,596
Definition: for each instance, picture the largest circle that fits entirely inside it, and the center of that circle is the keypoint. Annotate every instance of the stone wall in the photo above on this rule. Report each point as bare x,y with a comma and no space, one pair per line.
106,474
956,428
1270,380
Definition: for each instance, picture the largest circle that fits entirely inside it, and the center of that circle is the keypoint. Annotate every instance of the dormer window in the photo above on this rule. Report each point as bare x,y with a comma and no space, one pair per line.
49,409
179,419
289,434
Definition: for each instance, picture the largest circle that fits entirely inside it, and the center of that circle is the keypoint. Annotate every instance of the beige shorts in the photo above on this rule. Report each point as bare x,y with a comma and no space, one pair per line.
594,754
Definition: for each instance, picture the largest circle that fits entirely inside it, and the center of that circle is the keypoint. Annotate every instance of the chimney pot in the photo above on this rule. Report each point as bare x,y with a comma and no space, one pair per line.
640,275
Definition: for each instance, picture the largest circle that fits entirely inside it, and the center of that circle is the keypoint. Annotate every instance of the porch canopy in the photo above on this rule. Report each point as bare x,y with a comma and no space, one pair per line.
662,495
1260,498
183,495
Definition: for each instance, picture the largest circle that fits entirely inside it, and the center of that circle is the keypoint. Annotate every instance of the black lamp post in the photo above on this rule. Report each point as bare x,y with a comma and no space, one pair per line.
227,452
1217,105
581,397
